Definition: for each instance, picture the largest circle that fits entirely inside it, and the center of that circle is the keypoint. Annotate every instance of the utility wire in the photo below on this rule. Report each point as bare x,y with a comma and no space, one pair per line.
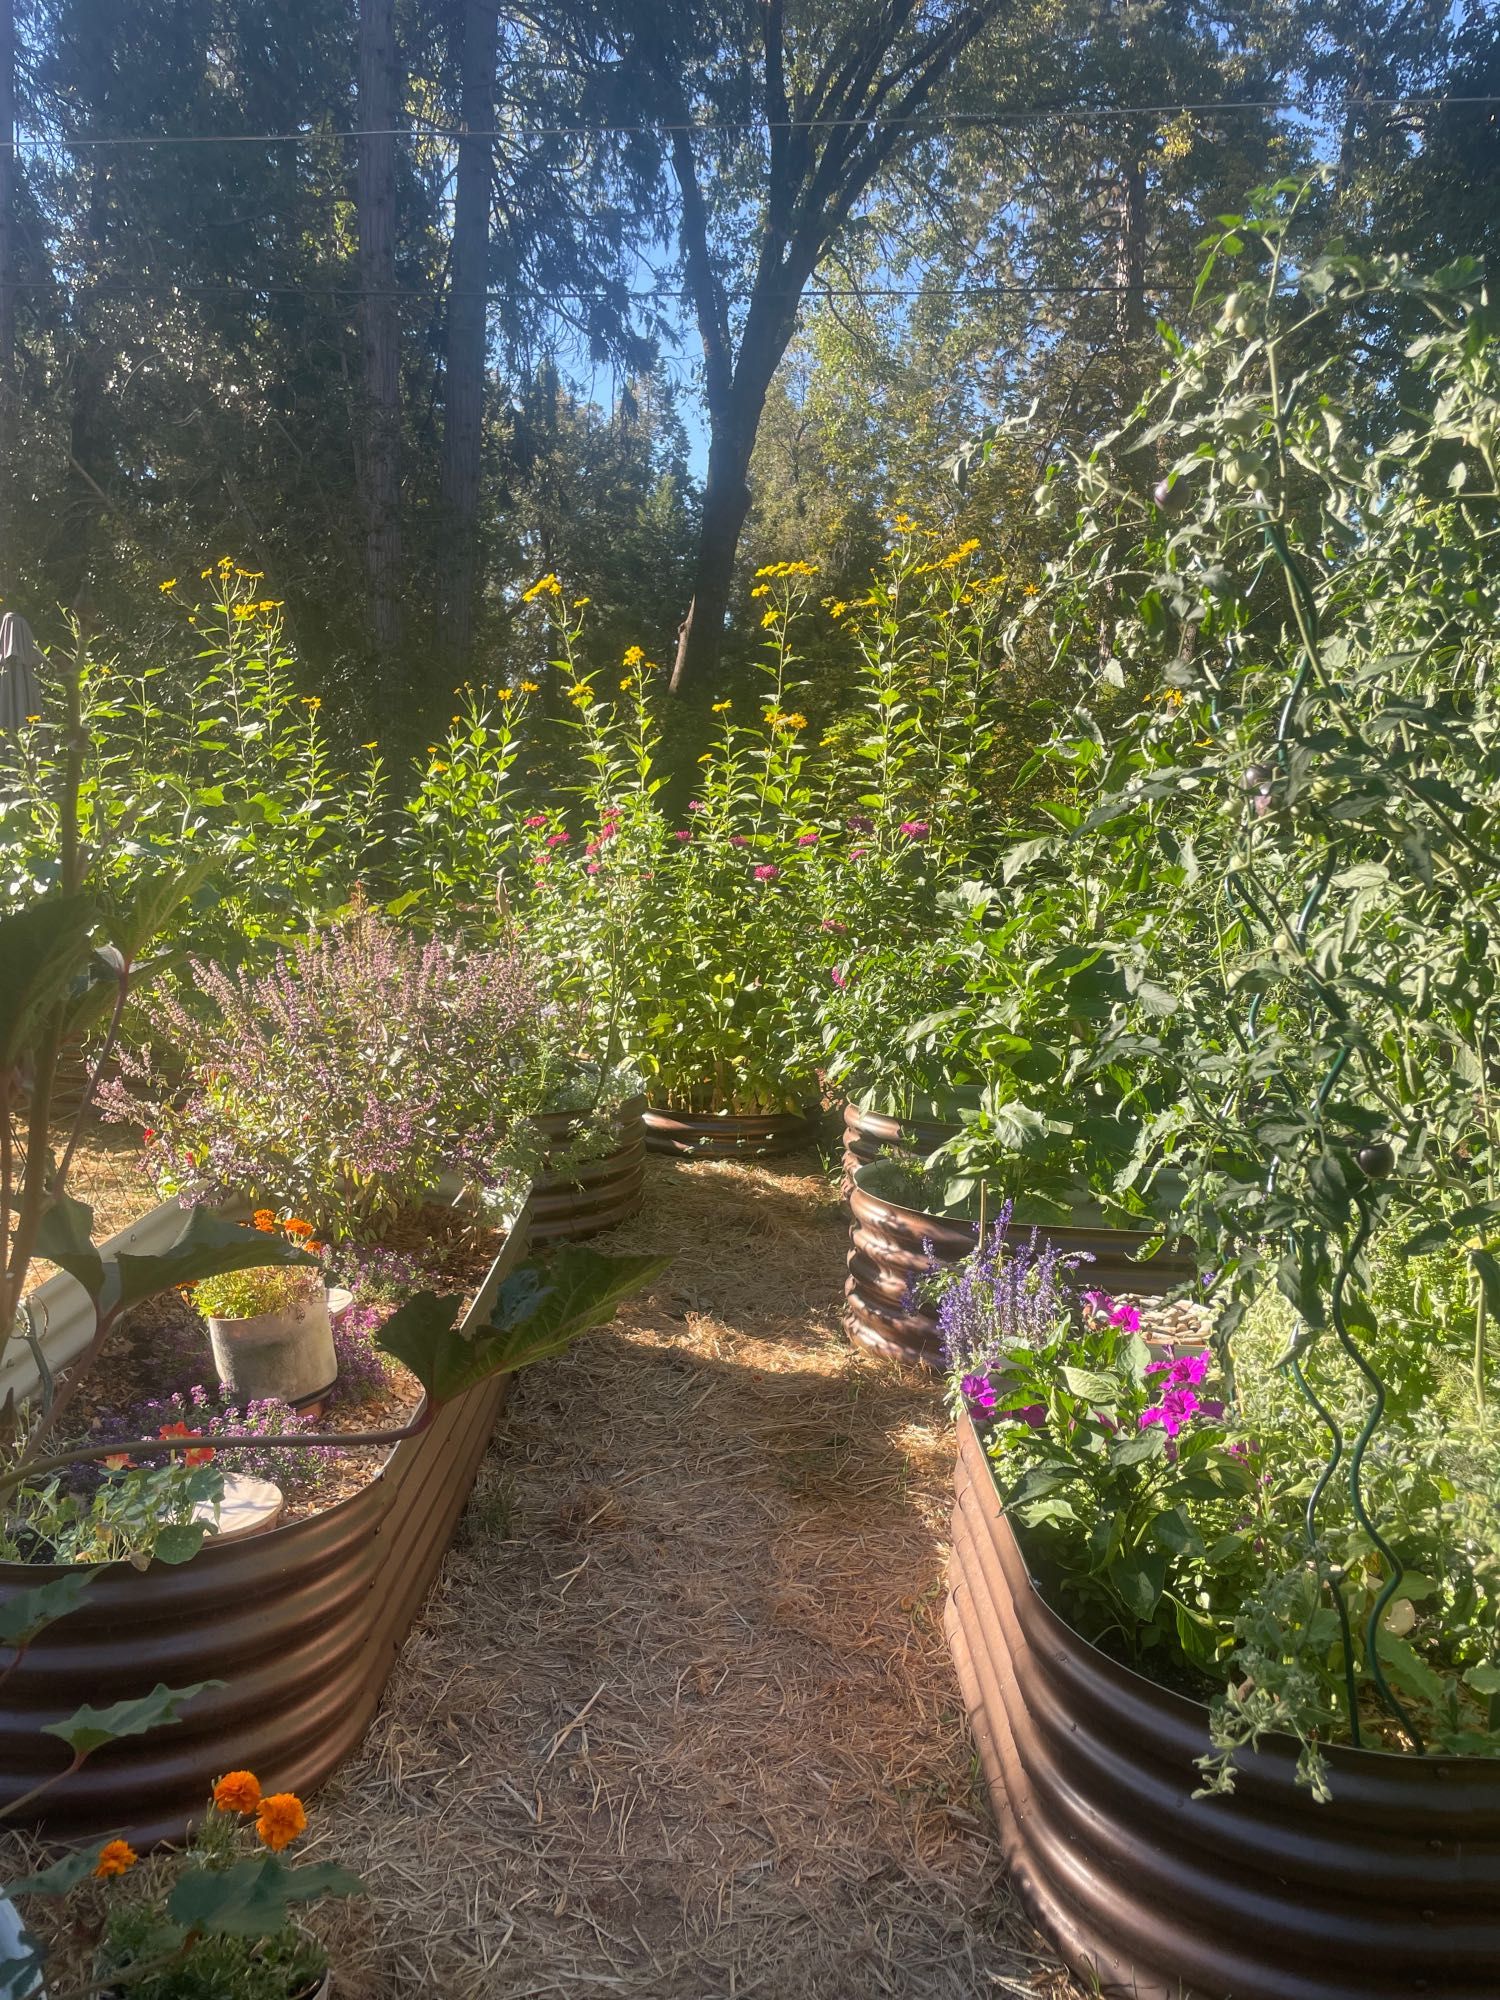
958,120
168,290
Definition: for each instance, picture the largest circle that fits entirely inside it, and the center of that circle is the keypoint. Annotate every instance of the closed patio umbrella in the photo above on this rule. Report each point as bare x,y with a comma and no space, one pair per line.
20,656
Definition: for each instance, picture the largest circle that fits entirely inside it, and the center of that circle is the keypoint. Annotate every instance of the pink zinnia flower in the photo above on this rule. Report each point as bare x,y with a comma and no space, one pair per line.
838,978
915,829
833,924
739,840
767,872
593,868
557,839
683,833
806,839
697,806
535,819
855,853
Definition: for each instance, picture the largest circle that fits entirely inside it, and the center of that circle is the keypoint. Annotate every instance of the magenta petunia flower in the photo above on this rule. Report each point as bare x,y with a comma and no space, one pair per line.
979,1393
1033,1414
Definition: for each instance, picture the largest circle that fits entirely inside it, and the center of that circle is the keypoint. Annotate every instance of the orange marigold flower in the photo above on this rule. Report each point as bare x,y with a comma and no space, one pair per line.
280,1820
295,1226
238,1791
264,1218
115,1857
119,1461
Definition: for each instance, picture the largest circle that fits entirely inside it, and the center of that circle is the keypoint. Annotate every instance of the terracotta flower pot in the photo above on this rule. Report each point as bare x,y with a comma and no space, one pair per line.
1392,1889
892,1248
595,1194
712,1135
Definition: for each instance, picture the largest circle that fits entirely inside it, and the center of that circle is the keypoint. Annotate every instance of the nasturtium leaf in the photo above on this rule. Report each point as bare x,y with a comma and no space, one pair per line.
252,1897
179,1541
1483,1679
89,1728
32,1611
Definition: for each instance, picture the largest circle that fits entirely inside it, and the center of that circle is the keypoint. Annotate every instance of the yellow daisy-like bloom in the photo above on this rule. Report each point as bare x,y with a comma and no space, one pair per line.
1033,590
796,721
545,586
904,524
505,694
720,707
244,611
770,618
370,746
837,608
531,687
960,554
580,602
170,584
434,768
115,1857
238,1791
280,1820
313,701
579,696
626,681
226,564
203,573
760,590
633,656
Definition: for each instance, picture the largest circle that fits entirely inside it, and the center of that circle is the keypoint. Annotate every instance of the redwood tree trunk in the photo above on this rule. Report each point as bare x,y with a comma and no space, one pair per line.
379,462
464,364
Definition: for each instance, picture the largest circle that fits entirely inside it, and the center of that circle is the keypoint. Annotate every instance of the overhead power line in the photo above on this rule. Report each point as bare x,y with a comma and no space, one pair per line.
426,294
918,126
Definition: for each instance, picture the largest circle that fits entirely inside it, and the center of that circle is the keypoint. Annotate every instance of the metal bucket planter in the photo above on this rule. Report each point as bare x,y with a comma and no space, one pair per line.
870,1135
301,1624
596,1194
892,1247
1391,1890
711,1135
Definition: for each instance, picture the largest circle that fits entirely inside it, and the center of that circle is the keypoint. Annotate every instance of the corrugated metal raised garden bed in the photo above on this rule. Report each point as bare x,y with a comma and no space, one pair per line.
1392,1889
301,1625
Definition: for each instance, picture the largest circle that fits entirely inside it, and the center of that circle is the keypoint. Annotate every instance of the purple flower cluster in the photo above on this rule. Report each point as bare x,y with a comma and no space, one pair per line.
1178,1390
363,1372
294,1471
1002,1297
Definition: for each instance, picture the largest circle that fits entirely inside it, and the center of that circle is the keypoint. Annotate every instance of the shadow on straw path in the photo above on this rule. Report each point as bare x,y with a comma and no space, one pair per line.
679,1721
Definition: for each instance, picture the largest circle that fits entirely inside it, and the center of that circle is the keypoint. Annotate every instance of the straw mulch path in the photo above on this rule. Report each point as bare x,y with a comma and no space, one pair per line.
679,1720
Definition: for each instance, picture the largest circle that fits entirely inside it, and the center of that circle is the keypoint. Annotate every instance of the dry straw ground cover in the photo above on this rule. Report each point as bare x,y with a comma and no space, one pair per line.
679,1721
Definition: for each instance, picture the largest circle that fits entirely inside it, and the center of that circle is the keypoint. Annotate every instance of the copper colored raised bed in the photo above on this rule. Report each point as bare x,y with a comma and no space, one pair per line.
707,1135
302,1624
870,1135
597,1194
1391,1890
891,1248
